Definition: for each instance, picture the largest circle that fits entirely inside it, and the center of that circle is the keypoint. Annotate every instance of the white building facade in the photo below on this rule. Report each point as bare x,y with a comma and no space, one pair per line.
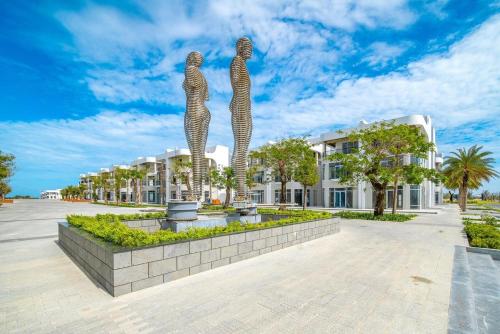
51,194
160,183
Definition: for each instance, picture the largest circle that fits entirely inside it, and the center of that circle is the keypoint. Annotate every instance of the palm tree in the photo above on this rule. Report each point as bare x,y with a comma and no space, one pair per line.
468,169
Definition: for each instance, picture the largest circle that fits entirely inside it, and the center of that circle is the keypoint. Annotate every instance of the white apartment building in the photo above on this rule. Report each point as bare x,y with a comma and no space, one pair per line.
51,194
160,184
330,193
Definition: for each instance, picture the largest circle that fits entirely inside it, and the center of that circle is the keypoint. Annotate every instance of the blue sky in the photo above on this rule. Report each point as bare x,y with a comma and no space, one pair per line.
87,84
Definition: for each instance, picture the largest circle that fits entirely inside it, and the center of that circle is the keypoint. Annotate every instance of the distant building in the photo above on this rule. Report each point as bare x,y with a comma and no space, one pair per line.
51,194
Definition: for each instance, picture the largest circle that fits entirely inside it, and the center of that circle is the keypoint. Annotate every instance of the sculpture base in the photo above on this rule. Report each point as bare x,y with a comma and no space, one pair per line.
245,208
179,210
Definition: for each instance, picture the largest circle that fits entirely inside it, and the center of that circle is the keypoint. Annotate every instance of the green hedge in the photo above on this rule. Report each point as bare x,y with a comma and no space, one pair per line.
111,229
482,235
398,217
132,216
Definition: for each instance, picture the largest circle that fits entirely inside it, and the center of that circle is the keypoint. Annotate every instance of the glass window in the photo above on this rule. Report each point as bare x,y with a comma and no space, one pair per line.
335,170
277,194
289,196
349,147
298,196
258,196
415,197
151,196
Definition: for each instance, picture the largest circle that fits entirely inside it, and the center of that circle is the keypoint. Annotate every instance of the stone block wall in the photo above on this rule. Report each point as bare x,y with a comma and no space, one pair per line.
122,271
147,225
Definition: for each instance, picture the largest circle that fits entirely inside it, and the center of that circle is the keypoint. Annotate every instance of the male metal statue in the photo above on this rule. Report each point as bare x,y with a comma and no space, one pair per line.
196,119
241,114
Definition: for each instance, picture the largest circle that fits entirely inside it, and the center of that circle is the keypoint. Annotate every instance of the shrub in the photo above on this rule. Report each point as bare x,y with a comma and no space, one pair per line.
111,229
398,217
482,235
133,216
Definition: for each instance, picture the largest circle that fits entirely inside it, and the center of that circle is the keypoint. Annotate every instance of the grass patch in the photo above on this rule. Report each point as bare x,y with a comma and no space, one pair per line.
398,217
110,228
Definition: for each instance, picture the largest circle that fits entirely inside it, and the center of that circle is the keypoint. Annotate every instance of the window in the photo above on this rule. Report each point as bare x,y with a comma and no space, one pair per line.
207,195
416,161
415,196
173,195
289,196
258,196
277,194
277,178
259,177
335,170
349,147
298,196
151,196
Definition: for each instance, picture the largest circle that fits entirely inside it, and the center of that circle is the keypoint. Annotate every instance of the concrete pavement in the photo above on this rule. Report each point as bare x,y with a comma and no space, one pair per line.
372,277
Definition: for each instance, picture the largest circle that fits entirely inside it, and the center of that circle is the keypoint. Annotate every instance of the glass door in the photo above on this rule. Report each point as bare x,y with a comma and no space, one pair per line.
340,198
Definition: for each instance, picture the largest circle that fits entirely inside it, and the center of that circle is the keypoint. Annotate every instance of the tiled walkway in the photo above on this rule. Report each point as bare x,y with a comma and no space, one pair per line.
372,277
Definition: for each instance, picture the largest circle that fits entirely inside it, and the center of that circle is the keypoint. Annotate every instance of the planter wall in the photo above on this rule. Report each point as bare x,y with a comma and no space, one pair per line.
147,225
122,271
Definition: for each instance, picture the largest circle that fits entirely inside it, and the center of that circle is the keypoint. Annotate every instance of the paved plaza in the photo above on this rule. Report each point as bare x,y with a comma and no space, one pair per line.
372,277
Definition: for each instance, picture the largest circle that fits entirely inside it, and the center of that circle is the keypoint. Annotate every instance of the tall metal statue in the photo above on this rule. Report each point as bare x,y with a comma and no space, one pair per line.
196,119
241,113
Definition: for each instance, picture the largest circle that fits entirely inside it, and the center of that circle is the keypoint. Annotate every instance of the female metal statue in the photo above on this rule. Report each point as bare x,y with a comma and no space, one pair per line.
196,119
241,113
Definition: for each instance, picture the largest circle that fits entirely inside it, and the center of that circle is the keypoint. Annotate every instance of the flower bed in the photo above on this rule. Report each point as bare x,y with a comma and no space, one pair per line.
484,234
110,228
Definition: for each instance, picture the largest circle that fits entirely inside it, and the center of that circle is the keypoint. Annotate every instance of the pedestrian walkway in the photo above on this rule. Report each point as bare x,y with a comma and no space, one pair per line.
372,277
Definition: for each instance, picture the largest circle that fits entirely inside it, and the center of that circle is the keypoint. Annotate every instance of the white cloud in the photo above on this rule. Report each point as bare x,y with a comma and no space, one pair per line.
381,54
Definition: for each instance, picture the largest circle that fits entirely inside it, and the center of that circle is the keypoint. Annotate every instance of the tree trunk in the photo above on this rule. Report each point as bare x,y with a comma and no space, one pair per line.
227,201
304,192
394,197
378,210
451,196
209,189
283,195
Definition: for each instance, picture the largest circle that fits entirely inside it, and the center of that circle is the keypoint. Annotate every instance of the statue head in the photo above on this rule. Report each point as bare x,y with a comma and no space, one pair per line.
194,59
244,48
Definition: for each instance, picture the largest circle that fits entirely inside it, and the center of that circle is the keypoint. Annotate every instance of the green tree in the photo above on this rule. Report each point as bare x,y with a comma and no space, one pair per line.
379,158
283,159
227,180
118,178
212,178
467,169
307,174
97,182
6,171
